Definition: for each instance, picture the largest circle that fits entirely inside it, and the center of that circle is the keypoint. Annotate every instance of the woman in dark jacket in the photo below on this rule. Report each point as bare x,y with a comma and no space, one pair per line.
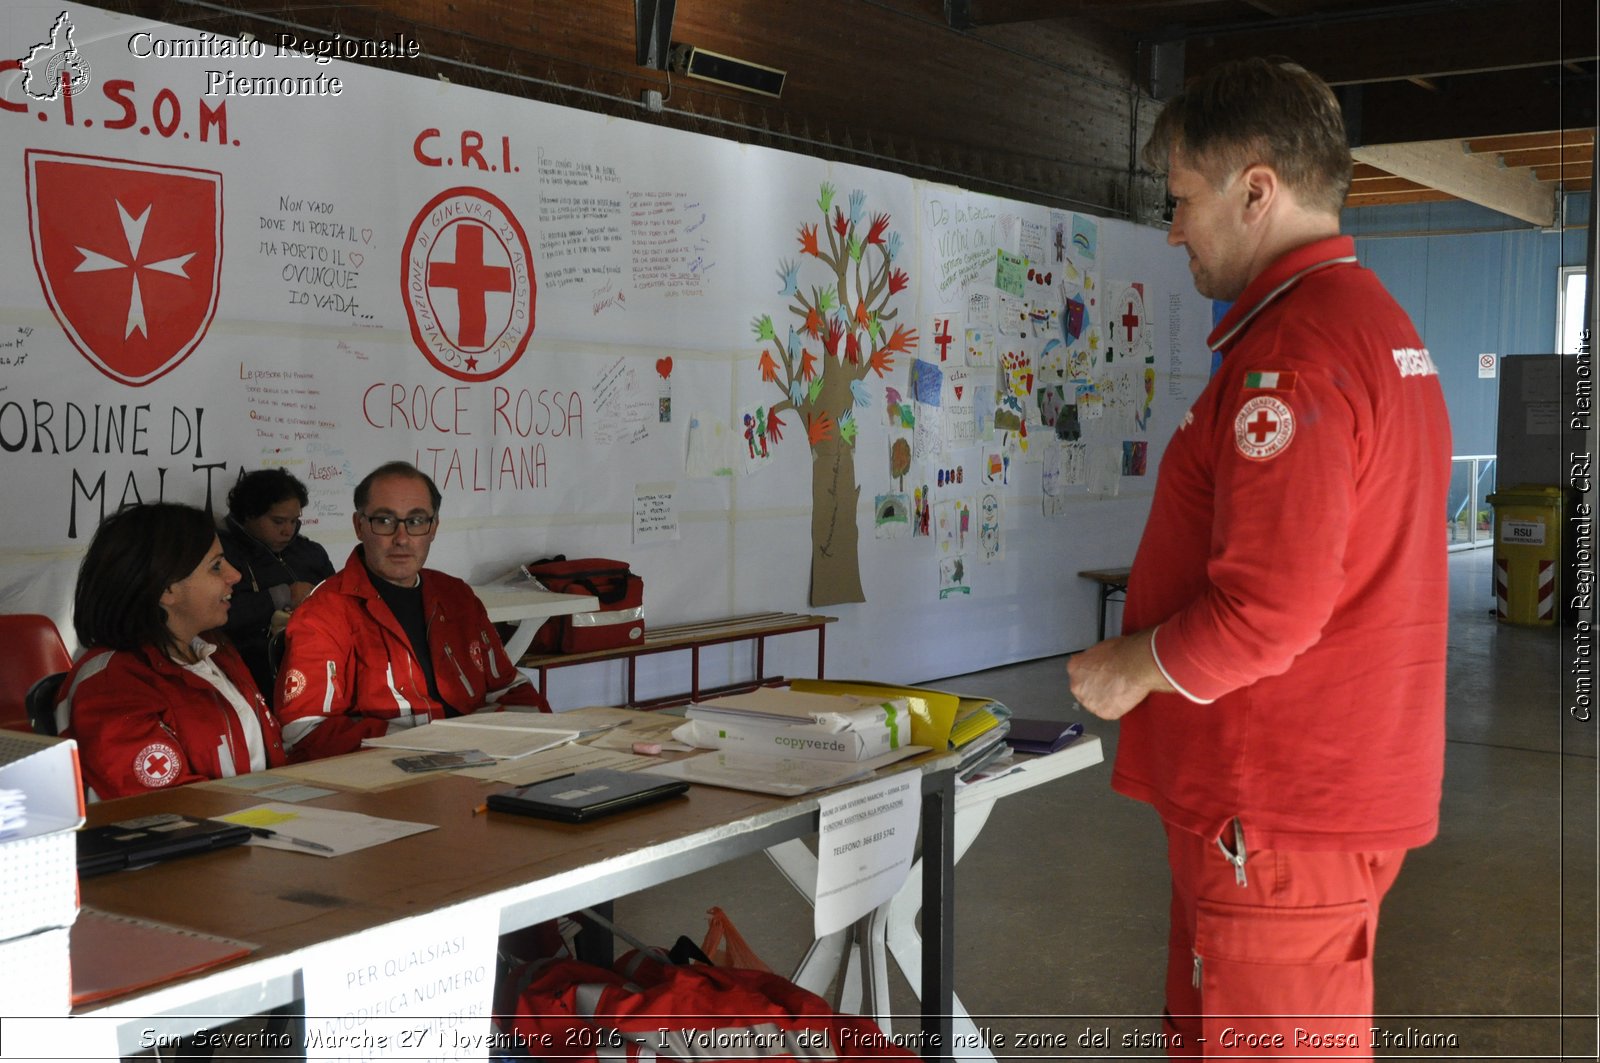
278,566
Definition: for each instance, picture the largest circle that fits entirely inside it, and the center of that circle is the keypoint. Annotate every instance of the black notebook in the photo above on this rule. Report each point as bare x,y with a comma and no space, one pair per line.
1042,736
145,841
586,795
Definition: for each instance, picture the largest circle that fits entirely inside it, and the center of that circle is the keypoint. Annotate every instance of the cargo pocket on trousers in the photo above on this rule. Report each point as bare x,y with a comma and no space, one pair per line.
1283,978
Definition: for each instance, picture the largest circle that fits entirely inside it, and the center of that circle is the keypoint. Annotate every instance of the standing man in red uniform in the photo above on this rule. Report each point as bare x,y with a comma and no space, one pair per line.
1281,685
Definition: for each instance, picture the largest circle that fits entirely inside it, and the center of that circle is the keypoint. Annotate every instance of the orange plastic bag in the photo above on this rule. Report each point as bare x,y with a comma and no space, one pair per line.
726,947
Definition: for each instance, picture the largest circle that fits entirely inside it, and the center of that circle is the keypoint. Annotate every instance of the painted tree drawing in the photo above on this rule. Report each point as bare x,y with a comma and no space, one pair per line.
840,330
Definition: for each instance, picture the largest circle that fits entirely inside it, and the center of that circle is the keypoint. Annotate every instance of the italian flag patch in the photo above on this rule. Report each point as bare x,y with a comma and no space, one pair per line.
1278,381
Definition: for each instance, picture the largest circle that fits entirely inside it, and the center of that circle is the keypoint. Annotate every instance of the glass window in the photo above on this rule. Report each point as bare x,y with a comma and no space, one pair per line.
1569,314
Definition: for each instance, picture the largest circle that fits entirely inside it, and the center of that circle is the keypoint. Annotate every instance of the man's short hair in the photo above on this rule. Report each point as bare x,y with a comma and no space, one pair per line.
396,468
1249,111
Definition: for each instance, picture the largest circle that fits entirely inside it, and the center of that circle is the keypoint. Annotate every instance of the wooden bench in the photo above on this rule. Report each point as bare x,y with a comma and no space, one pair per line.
1111,581
756,627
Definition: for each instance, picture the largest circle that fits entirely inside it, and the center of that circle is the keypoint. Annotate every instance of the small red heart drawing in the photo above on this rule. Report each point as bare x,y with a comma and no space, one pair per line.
357,259
366,236
959,389
664,367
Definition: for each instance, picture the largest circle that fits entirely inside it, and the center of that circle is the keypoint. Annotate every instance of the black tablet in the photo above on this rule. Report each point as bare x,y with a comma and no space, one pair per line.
135,842
586,795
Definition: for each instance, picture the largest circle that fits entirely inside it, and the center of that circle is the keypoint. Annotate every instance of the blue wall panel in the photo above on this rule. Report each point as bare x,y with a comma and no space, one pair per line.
1470,292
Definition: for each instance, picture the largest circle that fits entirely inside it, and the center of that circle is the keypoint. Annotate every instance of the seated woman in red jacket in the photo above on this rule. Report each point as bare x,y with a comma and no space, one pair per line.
150,702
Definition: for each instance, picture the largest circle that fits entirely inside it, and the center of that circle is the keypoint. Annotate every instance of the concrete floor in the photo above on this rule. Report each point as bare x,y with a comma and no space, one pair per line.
1489,935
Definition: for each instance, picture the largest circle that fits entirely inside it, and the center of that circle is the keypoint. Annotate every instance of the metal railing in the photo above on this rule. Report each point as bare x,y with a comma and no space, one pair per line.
1469,521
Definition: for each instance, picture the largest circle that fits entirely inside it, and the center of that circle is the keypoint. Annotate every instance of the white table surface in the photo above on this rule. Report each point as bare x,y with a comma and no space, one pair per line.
508,602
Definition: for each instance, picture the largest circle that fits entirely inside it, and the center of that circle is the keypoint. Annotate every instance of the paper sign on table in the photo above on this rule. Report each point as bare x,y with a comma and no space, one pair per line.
420,988
865,844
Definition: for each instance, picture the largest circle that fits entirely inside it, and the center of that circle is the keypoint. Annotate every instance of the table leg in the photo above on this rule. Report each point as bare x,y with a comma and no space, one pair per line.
522,637
938,916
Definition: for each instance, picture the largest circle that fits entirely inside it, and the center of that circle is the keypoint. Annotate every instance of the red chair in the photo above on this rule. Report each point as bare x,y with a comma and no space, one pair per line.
32,650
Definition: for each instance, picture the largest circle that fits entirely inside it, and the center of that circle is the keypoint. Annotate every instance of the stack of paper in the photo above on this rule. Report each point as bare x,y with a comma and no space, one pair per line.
502,735
939,719
787,723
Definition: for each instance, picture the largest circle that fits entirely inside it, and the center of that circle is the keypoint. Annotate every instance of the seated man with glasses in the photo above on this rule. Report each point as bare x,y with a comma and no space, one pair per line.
385,644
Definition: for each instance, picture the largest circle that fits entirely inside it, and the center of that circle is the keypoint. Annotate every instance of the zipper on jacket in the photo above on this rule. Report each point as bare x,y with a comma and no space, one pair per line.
451,653
1235,856
488,652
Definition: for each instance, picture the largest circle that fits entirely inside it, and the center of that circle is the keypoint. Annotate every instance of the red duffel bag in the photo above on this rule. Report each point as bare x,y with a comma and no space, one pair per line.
618,622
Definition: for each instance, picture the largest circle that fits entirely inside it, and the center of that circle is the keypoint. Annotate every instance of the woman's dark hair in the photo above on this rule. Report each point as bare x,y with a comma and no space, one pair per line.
135,555
256,492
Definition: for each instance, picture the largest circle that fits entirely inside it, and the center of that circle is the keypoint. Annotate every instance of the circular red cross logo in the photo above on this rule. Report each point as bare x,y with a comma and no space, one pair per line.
466,272
1263,427
157,764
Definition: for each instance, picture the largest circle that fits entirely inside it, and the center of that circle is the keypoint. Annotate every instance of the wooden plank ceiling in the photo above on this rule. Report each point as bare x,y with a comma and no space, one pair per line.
1487,100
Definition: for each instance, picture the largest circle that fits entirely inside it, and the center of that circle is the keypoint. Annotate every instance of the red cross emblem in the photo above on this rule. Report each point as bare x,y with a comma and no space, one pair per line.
129,255
1263,427
469,285
1130,321
157,764
941,337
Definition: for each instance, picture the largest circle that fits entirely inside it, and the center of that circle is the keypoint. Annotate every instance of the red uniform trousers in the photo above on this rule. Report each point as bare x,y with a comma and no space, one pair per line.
1278,967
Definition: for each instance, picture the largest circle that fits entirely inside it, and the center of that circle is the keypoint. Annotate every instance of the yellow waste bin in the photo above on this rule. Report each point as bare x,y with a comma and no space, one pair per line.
1527,553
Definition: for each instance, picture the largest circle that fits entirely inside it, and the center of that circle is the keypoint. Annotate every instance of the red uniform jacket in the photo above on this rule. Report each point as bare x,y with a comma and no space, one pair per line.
144,722
348,668
1294,566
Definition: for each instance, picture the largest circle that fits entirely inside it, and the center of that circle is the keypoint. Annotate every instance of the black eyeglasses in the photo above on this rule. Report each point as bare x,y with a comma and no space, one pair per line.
385,524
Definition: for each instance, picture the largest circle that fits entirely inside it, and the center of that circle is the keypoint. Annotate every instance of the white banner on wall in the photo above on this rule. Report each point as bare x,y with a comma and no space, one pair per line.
530,302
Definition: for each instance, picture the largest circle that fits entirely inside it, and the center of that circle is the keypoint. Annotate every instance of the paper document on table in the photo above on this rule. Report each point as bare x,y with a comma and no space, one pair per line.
593,718
500,740
565,760
784,776
320,831
364,769
647,727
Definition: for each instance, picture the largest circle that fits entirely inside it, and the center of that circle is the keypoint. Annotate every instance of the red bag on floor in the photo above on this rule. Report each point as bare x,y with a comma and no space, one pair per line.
575,1011
618,622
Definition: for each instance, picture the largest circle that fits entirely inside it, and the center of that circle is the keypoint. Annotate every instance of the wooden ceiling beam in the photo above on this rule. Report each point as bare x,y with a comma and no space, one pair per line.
1426,195
1555,156
1448,167
1572,138
1370,186
1572,171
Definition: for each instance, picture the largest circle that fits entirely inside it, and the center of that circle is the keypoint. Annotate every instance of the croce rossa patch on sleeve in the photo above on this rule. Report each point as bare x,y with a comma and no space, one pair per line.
1264,427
